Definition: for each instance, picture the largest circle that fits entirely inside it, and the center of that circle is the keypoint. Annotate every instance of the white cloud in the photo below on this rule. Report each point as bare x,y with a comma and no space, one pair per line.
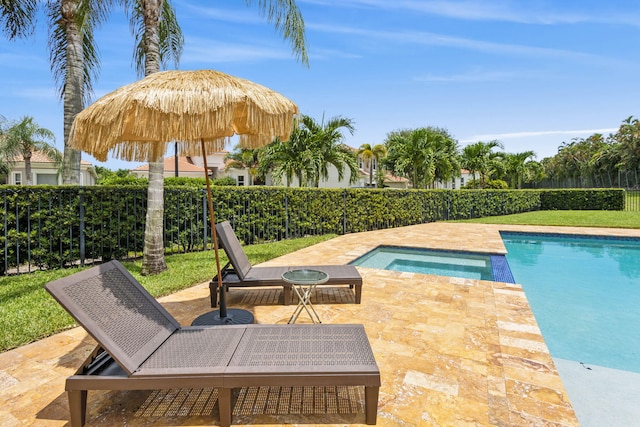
434,39
227,15
511,135
470,77
515,11
43,93
204,51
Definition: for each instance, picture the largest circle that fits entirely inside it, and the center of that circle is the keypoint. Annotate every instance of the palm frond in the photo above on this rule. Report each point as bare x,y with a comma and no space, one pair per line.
288,21
18,17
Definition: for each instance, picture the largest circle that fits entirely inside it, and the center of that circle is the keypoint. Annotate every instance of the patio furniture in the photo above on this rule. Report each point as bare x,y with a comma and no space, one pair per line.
304,282
142,347
239,272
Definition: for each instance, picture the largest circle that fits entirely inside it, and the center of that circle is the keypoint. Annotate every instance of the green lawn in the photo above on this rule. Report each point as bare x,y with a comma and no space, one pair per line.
28,312
613,219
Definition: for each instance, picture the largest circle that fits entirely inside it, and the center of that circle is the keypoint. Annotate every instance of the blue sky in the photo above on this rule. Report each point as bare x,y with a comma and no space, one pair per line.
532,74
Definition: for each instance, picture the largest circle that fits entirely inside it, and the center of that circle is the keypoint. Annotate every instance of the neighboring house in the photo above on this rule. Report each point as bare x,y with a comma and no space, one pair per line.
186,167
241,175
331,182
193,166
45,171
398,182
457,182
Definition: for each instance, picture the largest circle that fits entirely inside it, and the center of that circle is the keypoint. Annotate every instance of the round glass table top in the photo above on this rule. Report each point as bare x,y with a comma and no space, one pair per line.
305,277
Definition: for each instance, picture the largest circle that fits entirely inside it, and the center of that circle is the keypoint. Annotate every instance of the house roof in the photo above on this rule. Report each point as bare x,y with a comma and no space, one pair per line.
393,178
40,157
184,165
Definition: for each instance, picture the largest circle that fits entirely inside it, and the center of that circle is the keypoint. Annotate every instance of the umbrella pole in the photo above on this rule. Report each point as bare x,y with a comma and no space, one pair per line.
234,316
214,235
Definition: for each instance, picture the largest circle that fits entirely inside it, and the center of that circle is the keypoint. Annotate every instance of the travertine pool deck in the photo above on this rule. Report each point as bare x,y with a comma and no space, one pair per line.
451,352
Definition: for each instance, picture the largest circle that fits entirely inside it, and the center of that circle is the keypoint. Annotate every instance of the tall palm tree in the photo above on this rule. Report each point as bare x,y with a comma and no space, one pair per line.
158,38
478,158
324,140
22,139
74,63
369,155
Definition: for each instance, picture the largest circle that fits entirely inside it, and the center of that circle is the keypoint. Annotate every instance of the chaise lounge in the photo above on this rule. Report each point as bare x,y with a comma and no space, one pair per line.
239,272
142,347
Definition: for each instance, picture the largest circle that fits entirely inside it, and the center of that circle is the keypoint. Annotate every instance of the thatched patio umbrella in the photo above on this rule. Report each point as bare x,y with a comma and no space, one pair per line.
200,110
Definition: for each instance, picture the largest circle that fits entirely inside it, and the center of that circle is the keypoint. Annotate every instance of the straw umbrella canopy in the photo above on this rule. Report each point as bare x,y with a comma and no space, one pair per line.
199,110
136,121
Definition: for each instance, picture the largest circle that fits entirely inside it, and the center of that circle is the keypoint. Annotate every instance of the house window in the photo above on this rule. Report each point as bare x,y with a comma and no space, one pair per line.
461,182
46,179
17,178
241,180
453,183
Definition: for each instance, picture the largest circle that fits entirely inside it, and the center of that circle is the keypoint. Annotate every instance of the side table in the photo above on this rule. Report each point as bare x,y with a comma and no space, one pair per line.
303,282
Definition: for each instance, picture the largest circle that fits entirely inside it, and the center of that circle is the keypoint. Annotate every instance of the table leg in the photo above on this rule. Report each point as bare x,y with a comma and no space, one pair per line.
304,302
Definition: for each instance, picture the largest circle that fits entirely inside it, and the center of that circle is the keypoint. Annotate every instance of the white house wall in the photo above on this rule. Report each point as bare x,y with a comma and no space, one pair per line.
331,182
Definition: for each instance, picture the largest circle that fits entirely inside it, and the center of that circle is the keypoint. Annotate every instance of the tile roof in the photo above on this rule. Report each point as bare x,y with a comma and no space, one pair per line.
40,157
184,165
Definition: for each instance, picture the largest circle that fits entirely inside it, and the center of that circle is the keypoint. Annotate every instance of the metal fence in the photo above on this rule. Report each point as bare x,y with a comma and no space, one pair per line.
63,226
627,179
632,201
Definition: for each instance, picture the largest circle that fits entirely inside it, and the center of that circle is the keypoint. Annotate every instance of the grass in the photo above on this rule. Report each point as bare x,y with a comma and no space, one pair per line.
29,313
609,219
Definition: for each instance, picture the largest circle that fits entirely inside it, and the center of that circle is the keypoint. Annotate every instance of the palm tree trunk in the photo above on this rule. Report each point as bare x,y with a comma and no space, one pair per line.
73,88
153,255
27,168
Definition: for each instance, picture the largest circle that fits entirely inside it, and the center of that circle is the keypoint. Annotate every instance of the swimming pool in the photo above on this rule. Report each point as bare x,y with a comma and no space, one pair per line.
584,293
468,265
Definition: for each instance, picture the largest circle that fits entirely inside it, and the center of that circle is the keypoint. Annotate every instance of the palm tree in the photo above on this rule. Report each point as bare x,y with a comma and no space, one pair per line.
242,158
21,139
445,158
422,155
158,38
324,140
369,154
628,138
478,158
74,62
288,160
516,167
307,155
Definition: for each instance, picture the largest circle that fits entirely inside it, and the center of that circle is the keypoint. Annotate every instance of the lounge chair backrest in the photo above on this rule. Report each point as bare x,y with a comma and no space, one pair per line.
232,247
117,311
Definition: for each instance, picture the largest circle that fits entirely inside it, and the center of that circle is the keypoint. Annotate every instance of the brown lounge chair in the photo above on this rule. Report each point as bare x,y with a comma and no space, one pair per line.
142,347
243,274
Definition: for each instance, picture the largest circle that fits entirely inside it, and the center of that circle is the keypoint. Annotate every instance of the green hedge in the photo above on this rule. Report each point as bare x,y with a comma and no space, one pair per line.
56,226
611,199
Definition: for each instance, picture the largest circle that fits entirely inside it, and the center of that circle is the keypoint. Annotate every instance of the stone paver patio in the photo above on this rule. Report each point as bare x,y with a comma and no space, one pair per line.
452,352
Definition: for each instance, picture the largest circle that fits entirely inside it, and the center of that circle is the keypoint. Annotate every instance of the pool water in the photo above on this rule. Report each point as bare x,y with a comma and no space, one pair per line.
442,263
584,293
